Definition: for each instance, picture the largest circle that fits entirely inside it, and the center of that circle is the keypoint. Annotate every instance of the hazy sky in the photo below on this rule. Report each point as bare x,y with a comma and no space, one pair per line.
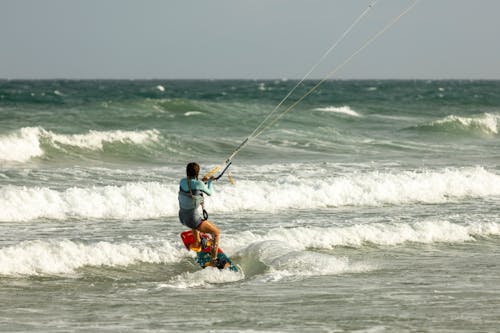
254,39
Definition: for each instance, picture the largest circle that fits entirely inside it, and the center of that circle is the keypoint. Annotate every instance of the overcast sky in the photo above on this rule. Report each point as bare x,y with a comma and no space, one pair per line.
249,39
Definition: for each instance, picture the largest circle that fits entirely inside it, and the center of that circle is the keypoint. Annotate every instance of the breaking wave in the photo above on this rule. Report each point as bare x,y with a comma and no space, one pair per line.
54,257
144,200
485,124
278,254
382,234
29,142
346,110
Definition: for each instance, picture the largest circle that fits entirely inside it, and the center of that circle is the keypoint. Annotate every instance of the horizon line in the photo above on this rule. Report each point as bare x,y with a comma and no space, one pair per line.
244,79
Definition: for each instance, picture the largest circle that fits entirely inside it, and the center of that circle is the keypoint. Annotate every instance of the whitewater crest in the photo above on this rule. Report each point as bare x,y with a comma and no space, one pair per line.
21,145
346,110
486,123
358,235
94,140
277,254
144,200
55,257
130,201
28,142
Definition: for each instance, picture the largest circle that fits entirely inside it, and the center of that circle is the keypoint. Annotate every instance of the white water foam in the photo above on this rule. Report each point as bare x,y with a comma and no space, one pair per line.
25,143
279,260
203,278
283,251
192,113
286,254
384,234
283,261
339,109
142,200
94,140
367,189
307,263
21,145
51,257
131,201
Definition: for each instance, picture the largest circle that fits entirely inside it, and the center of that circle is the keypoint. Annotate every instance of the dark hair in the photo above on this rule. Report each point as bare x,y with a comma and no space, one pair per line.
192,170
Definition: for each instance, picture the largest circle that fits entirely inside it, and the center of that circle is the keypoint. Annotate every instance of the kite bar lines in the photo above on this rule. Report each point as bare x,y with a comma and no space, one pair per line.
275,115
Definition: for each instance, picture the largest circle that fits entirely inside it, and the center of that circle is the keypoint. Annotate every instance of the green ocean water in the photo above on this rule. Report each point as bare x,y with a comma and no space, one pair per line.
372,206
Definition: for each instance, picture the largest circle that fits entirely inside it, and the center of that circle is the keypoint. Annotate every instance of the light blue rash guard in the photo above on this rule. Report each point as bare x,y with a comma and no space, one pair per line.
189,204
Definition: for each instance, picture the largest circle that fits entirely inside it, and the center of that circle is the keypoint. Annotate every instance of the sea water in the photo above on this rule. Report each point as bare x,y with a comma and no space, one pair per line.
372,206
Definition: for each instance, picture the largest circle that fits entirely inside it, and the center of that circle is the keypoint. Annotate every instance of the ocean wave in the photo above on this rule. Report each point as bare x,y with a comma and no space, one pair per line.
29,142
278,260
179,105
288,252
192,113
366,189
280,253
130,201
346,110
21,145
381,234
486,123
62,257
143,200
95,140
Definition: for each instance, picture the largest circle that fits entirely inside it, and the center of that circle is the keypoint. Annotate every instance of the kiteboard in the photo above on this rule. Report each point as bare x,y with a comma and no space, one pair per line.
203,256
